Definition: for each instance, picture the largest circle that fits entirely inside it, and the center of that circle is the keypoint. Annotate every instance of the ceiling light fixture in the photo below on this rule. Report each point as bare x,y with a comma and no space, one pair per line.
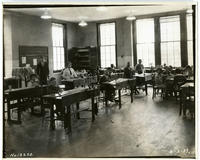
46,15
101,8
130,18
82,23
189,11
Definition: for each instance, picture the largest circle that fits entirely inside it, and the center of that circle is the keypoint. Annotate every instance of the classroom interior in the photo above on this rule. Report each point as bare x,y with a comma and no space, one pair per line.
99,81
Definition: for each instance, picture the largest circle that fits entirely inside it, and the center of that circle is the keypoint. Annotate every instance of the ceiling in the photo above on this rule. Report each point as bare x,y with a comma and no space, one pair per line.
75,14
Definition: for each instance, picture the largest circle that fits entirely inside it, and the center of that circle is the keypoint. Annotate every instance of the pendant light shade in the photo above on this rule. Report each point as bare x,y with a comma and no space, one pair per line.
46,15
82,24
130,18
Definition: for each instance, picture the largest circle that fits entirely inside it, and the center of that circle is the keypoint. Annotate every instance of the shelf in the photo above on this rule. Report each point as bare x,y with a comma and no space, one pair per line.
83,50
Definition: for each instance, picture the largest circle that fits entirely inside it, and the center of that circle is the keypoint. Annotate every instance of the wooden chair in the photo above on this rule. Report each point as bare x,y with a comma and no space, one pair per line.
178,81
158,88
187,101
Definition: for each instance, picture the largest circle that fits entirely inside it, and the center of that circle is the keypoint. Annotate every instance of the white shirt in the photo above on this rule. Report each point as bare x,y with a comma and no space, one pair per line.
69,73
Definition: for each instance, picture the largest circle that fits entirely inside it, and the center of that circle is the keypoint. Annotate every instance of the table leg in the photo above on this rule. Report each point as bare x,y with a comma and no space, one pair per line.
146,89
131,94
93,110
8,109
69,118
77,109
180,104
52,122
42,107
119,93
19,111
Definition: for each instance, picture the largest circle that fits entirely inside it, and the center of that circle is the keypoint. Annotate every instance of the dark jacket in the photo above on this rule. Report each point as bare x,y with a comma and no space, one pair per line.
43,72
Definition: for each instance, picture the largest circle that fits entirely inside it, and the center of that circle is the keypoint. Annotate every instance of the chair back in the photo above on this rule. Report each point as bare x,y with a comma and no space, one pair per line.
179,80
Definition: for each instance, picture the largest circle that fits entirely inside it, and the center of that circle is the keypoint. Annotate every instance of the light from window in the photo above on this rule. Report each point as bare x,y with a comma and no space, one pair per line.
170,41
145,41
190,39
58,47
107,44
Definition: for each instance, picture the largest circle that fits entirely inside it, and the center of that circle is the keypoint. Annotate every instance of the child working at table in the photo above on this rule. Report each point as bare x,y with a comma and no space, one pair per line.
33,81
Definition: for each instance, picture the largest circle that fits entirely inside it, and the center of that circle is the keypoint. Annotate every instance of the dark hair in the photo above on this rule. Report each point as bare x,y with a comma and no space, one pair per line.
33,75
52,79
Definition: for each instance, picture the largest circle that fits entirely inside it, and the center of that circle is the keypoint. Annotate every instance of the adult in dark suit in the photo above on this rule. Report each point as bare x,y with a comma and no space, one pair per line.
42,70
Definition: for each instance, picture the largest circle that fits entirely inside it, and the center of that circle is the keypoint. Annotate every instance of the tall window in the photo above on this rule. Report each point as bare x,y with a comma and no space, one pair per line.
58,46
170,40
145,41
107,44
189,39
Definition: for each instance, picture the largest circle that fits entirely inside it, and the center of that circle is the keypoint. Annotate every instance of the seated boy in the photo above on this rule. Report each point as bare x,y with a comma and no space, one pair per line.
33,81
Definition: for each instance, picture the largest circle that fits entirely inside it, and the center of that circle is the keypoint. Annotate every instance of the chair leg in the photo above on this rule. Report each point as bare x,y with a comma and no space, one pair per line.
153,93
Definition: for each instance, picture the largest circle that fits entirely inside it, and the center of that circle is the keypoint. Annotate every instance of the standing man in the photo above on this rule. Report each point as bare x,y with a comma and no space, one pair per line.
42,70
69,72
139,68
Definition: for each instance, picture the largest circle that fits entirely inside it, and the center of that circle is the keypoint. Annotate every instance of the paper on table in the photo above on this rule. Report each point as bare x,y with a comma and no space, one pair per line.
23,60
35,62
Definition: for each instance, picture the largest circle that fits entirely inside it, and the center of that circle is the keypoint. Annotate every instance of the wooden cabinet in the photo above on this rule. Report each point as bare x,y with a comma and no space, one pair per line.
83,58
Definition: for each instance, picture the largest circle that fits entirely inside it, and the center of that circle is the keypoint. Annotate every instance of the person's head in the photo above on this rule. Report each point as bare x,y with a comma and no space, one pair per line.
112,65
139,61
42,59
159,70
128,64
33,77
52,81
69,64
188,68
178,71
170,68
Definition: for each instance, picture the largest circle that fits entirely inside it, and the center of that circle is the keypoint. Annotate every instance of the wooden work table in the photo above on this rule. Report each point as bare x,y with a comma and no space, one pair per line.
22,98
64,100
118,84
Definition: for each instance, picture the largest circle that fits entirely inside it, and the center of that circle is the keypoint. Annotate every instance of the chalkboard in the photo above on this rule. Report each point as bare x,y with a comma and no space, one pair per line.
31,54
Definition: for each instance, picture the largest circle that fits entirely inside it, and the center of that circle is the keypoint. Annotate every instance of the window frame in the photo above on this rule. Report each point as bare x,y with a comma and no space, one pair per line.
145,43
64,45
170,41
99,40
188,38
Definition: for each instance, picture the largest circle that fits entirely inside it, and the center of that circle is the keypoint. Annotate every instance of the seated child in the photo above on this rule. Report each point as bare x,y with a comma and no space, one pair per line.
33,81
188,71
159,77
53,88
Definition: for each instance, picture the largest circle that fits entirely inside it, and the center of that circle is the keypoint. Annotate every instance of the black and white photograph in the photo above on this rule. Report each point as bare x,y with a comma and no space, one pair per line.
100,80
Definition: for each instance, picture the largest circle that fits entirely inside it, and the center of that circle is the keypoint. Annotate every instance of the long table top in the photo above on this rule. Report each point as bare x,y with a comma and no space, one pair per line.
73,92
121,82
145,76
189,84
26,91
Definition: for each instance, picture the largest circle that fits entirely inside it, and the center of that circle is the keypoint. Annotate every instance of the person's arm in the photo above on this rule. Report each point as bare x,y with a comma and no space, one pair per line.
29,84
74,74
136,67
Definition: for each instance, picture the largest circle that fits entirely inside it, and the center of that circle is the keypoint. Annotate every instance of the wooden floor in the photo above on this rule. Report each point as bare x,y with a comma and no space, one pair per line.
144,128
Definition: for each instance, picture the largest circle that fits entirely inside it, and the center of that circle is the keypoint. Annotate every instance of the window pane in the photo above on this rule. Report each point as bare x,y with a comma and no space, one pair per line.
190,39
145,44
107,44
58,48
190,53
170,40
